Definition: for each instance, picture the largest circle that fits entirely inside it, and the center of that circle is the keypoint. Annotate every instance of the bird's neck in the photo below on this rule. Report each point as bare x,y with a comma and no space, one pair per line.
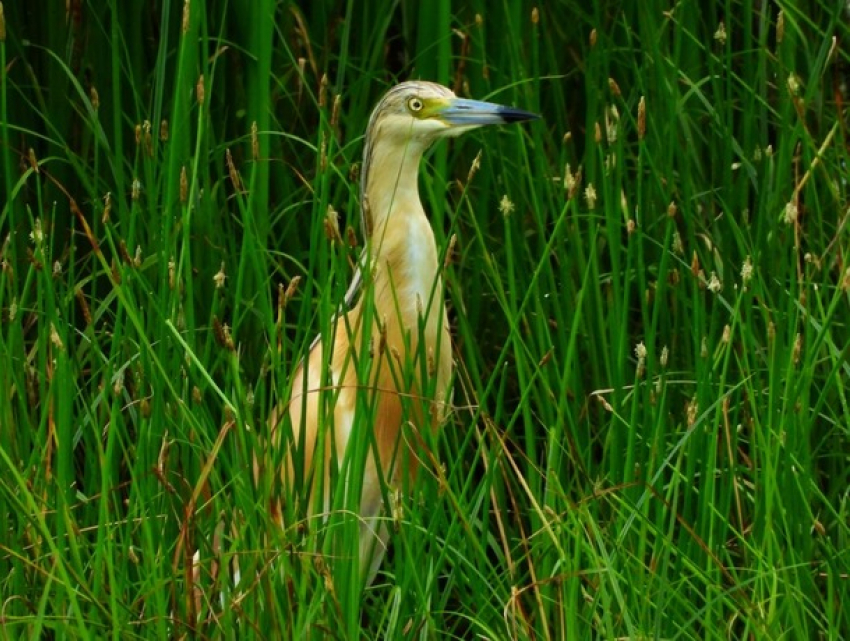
401,244
392,189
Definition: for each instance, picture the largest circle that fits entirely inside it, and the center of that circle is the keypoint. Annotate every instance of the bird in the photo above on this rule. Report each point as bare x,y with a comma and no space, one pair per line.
380,380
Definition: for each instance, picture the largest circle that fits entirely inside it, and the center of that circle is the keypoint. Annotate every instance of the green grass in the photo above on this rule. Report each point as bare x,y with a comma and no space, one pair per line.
586,488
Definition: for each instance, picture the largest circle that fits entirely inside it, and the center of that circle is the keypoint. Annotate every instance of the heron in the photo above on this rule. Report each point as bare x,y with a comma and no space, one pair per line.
387,360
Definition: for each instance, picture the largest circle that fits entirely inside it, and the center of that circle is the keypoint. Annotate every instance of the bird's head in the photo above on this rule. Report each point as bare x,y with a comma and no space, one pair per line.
410,117
418,112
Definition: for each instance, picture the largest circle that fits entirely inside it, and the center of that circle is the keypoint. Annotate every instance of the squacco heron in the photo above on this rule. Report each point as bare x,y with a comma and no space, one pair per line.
388,363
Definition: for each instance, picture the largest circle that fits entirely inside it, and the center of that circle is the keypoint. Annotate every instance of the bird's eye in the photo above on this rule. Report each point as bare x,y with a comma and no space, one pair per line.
415,105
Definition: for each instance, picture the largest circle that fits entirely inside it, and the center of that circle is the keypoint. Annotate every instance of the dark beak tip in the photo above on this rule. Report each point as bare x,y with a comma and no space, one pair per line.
518,115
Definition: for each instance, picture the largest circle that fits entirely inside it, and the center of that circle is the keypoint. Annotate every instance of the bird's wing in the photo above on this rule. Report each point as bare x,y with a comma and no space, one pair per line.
347,303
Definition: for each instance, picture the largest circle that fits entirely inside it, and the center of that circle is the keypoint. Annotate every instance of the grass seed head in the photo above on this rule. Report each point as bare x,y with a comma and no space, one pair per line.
231,170
714,284
184,185
186,17
506,206
148,140
450,251
84,305
678,246
291,289
640,353
37,233
332,225
200,91
323,91
747,271
720,34
570,181
641,118
474,167
672,209
790,213
612,121
220,277
118,383
335,111
107,207
692,411
793,84
590,196
125,254
55,338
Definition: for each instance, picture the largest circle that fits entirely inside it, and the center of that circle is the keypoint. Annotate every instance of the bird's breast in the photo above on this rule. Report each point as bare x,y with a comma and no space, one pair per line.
408,278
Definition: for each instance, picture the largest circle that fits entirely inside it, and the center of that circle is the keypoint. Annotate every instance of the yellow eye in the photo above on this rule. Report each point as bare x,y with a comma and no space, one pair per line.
415,105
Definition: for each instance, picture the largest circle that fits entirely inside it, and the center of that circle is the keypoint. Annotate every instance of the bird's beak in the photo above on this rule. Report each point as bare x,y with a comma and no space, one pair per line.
460,112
